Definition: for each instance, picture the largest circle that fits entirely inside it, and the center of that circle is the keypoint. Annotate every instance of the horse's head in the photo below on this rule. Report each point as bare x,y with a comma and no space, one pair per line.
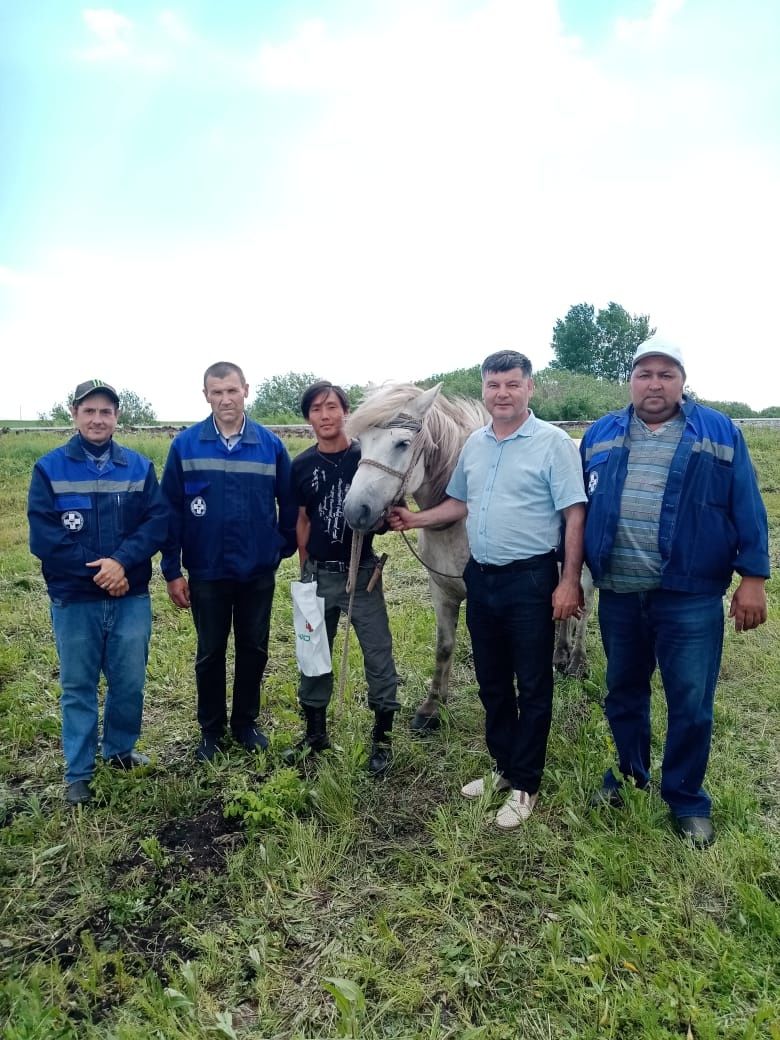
392,463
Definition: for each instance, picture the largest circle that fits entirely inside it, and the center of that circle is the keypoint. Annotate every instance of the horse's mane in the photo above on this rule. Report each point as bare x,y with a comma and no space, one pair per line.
447,424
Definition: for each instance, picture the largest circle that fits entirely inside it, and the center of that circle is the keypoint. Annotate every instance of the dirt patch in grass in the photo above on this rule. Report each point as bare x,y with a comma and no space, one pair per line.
400,814
146,943
201,844
190,849
9,812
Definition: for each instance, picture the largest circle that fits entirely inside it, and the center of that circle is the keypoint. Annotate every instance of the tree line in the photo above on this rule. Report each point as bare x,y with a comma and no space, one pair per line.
587,377
134,410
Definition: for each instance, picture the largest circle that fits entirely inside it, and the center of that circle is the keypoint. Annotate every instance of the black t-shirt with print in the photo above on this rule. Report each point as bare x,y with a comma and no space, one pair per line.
320,482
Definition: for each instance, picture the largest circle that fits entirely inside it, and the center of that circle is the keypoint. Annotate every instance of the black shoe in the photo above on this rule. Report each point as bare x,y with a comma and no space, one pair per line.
696,829
252,739
209,747
78,793
381,757
380,760
605,795
132,760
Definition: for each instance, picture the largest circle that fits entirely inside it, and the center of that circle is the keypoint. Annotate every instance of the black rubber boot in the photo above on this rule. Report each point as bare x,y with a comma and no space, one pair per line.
316,728
381,750
316,736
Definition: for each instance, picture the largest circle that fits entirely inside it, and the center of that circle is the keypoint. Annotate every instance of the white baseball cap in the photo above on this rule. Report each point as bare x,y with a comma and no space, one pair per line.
658,345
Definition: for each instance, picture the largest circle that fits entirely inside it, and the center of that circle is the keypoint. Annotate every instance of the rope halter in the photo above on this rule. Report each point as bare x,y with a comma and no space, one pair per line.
402,421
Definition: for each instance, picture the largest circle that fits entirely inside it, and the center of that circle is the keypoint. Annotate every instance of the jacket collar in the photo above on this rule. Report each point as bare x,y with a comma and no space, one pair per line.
74,450
687,408
208,431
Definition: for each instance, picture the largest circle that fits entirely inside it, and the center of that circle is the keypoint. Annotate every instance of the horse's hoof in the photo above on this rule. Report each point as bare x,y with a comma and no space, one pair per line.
577,668
422,725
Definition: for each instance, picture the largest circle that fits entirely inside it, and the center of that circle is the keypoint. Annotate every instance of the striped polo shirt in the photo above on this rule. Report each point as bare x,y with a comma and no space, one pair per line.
635,563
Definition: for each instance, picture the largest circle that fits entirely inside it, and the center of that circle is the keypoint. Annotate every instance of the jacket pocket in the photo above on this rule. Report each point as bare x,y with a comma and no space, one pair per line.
195,487
75,512
594,469
197,499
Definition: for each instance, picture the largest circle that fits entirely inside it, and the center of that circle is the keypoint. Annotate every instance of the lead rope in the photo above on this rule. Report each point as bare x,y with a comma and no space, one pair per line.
431,570
409,422
354,563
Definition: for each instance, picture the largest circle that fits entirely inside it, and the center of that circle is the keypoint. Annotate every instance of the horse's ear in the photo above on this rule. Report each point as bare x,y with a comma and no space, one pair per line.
418,407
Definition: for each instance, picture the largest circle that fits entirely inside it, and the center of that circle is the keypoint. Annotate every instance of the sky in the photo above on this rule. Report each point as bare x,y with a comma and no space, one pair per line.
380,189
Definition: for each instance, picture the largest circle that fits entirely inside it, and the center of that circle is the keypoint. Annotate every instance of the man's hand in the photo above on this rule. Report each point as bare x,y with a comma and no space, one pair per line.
179,591
401,519
110,575
748,604
568,600
124,588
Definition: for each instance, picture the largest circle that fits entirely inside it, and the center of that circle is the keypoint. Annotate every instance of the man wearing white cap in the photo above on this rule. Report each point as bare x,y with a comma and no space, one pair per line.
673,510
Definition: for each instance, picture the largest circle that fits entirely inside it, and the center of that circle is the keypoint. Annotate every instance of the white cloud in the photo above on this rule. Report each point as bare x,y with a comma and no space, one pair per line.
651,28
112,31
149,45
466,181
174,27
12,279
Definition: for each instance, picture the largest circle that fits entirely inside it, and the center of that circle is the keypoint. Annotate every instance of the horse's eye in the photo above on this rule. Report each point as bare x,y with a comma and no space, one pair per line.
402,445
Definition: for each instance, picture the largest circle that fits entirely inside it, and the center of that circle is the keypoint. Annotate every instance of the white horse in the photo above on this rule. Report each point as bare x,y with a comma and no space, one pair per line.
410,440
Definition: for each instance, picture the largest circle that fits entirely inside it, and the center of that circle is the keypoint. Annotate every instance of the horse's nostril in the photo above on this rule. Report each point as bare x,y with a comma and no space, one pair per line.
358,516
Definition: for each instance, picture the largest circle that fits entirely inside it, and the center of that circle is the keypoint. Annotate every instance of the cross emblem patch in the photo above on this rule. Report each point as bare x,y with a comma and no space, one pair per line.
72,520
198,506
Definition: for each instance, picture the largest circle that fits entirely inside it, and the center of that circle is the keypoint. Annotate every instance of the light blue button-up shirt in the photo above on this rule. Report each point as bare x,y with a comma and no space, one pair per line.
515,490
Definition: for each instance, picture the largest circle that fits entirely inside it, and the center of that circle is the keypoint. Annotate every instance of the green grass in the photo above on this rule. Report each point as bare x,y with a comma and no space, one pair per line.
346,907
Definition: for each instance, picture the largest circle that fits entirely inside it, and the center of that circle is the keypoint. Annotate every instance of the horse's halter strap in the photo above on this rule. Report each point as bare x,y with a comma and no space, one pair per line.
402,421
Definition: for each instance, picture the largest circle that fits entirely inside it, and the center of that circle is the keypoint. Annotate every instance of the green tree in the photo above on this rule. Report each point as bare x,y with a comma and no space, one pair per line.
135,410
278,399
575,340
600,345
619,334
59,413
461,382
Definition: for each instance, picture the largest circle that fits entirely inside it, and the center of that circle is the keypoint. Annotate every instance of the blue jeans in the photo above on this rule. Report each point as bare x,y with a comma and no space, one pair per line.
683,634
110,636
509,618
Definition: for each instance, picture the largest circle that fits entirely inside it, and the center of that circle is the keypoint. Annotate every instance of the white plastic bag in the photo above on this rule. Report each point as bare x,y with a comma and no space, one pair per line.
311,639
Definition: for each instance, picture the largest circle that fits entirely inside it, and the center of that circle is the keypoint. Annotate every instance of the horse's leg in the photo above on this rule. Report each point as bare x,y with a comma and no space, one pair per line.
578,659
446,610
563,642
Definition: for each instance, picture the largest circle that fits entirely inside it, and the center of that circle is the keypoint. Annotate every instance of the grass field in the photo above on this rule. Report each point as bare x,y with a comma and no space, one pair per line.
330,905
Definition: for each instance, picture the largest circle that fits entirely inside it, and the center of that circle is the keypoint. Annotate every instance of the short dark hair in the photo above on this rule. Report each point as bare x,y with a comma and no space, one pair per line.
322,386
505,361
221,370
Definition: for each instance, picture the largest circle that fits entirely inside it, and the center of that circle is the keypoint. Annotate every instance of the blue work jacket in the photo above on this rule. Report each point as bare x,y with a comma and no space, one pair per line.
223,518
713,521
78,513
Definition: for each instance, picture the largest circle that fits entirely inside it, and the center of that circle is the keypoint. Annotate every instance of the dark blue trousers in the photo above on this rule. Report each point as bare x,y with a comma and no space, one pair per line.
683,634
216,606
509,617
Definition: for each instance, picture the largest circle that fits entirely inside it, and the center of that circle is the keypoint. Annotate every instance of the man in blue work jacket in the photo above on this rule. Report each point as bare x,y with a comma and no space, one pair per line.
96,518
231,520
673,511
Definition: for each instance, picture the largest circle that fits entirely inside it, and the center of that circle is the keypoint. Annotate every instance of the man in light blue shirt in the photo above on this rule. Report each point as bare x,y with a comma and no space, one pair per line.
517,480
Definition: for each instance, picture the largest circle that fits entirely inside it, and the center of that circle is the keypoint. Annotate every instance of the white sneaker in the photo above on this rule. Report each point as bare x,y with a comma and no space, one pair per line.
515,810
476,788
